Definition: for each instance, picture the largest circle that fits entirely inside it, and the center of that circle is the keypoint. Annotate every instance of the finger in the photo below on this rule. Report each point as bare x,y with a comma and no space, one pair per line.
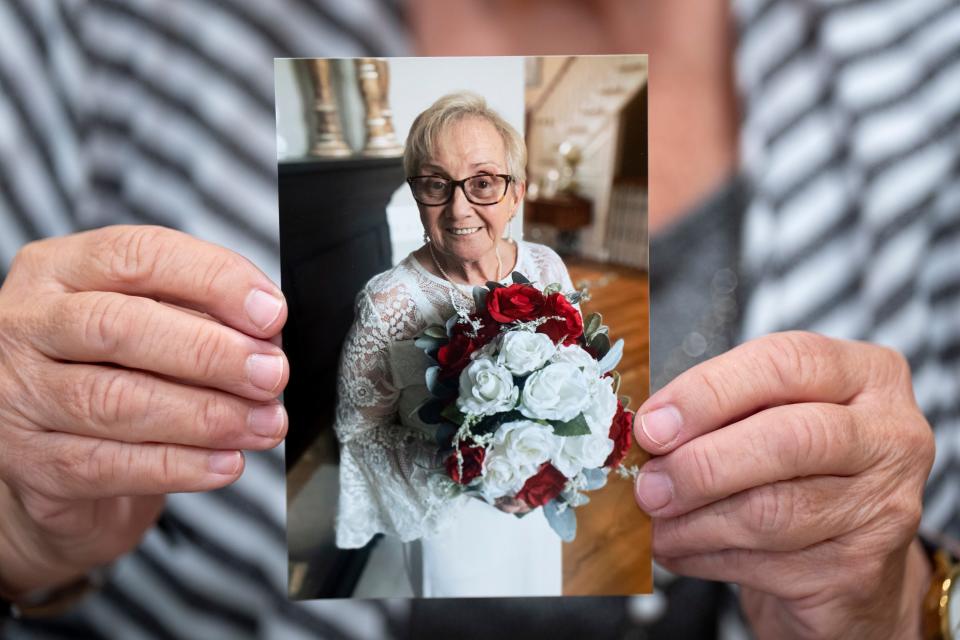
74,467
132,406
779,573
777,369
778,444
143,334
798,575
169,265
783,516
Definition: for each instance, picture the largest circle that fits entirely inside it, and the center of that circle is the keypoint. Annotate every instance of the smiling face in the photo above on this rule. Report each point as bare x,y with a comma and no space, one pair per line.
462,231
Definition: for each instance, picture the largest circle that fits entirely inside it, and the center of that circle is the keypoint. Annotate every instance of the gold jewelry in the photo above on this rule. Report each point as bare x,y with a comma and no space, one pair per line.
937,603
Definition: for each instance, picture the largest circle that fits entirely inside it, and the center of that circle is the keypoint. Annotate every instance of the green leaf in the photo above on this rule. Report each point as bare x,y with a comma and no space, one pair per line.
432,378
451,413
616,381
552,288
429,344
612,357
490,424
576,427
595,479
601,343
430,411
625,401
563,522
592,324
575,498
519,278
480,298
435,331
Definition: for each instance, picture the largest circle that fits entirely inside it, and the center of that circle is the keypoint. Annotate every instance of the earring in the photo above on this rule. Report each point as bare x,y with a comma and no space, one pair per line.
510,230
426,238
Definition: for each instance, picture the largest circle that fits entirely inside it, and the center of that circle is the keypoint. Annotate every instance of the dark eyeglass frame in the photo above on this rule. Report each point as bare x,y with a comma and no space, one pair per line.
461,183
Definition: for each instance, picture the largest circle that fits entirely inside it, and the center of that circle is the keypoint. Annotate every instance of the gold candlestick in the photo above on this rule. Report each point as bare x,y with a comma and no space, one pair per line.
373,77
328,139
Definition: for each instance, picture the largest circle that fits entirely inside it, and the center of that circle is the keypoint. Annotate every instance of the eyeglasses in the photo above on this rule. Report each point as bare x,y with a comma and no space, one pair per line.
484,189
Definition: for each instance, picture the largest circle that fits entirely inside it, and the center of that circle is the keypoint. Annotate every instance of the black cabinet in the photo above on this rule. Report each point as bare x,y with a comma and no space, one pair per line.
333,238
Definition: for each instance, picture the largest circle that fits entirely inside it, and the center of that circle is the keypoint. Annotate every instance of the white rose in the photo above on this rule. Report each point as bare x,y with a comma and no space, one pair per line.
486,388
601,407
501,476
578,357
523,351
526,444
559,391
581,452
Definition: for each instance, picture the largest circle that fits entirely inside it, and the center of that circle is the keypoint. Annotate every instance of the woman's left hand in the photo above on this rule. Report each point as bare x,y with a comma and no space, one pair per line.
794,465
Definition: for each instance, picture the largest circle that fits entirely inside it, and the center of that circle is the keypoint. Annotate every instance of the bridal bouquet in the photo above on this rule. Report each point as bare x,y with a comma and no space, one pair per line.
524,399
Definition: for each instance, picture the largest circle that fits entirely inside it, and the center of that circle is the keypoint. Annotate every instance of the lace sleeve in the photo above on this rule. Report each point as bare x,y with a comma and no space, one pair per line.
385,485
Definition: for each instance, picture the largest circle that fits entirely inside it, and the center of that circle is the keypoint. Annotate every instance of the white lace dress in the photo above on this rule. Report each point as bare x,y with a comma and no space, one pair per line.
462,547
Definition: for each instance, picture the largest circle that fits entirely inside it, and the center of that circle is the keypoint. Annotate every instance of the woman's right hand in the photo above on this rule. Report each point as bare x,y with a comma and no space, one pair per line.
134,362
512,505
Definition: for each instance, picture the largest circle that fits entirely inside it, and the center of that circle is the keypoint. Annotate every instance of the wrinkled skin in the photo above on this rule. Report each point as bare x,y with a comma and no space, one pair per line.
796,471
125,374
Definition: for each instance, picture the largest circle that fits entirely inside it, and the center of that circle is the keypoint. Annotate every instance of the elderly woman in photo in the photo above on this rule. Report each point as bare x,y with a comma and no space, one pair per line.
465,167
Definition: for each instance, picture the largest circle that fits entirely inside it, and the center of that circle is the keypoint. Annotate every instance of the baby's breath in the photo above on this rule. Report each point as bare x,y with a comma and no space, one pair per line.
628,472
530,325
464,433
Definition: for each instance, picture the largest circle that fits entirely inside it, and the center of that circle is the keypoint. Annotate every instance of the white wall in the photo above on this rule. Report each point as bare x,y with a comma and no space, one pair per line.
292,127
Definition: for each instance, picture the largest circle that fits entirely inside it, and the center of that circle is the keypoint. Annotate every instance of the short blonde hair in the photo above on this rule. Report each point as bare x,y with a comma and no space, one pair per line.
452,108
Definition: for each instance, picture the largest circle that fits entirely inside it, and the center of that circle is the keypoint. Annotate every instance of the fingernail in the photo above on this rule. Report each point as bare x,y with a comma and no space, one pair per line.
653,490
225,463
661,425
266,421
262,308
265,371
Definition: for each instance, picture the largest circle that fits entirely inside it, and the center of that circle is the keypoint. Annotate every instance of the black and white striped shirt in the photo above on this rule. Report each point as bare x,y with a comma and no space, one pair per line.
161,111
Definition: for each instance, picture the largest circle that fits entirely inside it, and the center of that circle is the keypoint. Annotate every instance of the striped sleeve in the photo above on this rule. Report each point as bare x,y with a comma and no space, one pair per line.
851,145
161,111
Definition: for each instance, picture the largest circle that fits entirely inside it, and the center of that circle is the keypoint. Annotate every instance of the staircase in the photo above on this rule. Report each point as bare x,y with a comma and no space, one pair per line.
580,101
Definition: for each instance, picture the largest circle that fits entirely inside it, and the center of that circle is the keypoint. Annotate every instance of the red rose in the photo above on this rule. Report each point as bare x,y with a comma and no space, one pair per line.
570,328
472,464
454,356
516,302
543,487
621,432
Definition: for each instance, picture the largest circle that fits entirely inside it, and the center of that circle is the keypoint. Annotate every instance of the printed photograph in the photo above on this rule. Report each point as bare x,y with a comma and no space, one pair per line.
464,256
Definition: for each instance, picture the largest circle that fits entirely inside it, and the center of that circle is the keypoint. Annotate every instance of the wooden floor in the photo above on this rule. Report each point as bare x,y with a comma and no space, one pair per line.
611,554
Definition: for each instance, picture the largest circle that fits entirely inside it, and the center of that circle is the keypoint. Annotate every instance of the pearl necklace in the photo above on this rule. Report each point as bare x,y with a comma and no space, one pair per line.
436,263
